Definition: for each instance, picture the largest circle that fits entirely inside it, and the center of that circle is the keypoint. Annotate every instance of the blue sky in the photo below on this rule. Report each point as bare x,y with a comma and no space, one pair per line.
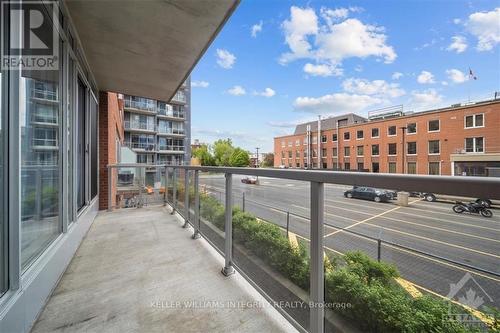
276,63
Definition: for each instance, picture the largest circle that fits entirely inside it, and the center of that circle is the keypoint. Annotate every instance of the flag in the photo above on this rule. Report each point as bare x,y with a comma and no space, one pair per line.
471,75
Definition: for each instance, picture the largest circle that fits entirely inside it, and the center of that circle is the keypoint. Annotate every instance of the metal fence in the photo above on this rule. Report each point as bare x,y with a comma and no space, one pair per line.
188,177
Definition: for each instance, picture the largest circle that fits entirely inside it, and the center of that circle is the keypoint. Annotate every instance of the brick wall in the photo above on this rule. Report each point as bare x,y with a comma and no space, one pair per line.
451,135
110,129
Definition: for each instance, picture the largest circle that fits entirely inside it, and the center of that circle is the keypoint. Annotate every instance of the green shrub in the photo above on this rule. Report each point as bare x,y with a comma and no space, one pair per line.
369,269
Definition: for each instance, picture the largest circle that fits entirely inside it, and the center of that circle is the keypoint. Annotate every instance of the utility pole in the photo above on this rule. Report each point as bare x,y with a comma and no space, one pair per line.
318,156
403,129
257,162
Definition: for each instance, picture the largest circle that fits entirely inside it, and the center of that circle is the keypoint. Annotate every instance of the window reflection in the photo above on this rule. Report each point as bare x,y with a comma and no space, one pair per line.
39,100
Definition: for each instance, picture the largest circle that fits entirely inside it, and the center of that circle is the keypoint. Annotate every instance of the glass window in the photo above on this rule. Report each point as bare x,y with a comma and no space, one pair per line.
94,162
39,97
347,151
347,166
323,138
434,147
334,137
375,150
433,125
323,152
359,134
289,154
392,149
412,148
347,136
361,166
411,128
476,120
474,145
434,168
412,168
360,150
334,152
375,133
392,167
3,212
391,130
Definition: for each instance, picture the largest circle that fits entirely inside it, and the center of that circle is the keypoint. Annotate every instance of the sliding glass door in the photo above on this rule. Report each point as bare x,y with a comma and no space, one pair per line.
81,144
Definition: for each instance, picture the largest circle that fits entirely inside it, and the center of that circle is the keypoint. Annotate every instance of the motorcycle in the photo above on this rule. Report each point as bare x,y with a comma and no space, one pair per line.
473,208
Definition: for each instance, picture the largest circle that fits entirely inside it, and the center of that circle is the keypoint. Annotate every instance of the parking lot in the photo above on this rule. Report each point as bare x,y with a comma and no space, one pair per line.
432,246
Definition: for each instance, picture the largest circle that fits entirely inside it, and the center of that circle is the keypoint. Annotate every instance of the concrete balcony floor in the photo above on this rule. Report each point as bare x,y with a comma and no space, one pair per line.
131,268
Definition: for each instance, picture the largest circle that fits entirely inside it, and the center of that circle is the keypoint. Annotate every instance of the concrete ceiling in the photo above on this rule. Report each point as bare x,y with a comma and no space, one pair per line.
146,48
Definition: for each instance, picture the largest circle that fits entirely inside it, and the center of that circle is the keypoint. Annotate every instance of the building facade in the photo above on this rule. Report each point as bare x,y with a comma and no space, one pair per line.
157,131
459,140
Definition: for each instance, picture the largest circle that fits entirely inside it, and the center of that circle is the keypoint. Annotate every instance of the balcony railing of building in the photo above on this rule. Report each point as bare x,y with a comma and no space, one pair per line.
138,125
52,143
44,94
171,113
179,96
140,105
302,269
169,130
171,148
44,118
140,145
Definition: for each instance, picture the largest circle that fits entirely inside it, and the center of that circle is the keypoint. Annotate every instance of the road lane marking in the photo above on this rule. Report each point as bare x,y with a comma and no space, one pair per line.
409,287
363,221
449,214
346,202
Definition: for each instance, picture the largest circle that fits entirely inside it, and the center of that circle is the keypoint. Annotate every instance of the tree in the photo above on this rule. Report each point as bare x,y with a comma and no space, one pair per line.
239,158
268,161
204,155
223,149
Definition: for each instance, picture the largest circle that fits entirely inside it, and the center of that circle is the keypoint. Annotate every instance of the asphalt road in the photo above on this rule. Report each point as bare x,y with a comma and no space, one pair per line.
431,228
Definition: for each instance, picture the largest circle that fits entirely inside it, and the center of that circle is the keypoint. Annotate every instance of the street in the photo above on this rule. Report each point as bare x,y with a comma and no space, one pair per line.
429,243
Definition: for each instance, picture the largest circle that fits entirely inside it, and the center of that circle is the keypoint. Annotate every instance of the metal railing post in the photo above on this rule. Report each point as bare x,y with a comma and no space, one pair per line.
379,249
110,185
174,190
287,223
165,194
186,198
196,222
317,286
243,202
228,228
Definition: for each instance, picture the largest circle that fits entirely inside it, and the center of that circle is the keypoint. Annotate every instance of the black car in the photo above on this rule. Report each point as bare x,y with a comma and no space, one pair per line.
368,193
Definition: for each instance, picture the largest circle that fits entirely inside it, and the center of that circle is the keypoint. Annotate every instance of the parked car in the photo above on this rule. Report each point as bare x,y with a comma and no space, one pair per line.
432,197
249,180
368,193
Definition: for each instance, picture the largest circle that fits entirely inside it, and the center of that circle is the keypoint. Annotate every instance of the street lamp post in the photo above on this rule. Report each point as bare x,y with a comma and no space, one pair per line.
257,161
403,129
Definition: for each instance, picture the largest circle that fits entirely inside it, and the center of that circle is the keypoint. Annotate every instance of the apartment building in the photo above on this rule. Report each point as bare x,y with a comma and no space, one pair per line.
157,131
457,140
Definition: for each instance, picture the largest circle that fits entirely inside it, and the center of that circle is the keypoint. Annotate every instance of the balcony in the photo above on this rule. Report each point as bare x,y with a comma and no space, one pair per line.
179,97
143,146
140,106
162,130
45,95
139,126
170,149
171,114
45,144
44,119
138,270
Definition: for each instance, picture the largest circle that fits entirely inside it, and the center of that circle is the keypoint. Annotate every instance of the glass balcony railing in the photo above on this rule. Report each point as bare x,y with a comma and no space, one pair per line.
171,148
140,105
169,130
171,113
44,94
179,96
45,142
138,125
44,118
326,260
140,145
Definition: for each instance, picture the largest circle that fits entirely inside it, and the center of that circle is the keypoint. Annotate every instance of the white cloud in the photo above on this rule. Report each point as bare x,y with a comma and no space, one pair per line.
256,28
268,92
429,97
397,75
444,83
458,44
225,59
322,70
486,27
335,40
200,84
456,76
457,21
237,91
379,88
425,77
335,103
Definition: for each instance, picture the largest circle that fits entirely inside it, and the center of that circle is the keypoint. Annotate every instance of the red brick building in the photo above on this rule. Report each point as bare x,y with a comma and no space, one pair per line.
459,140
